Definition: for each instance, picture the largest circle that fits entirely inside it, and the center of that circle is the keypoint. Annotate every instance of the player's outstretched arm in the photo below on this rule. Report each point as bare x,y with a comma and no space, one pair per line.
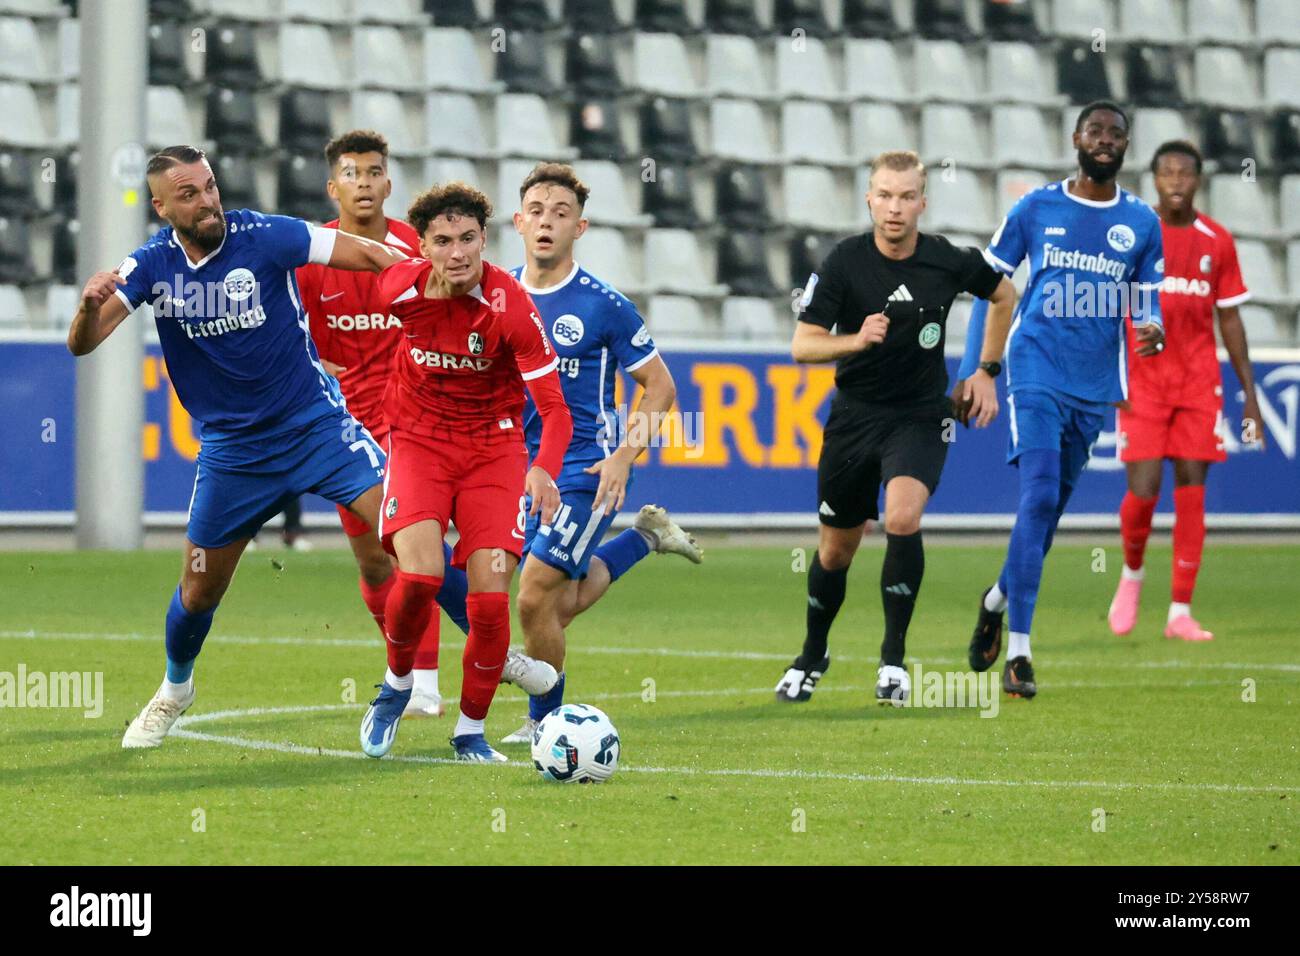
359,254
99,313
557,432
813,343
980,390
658,392
1234,341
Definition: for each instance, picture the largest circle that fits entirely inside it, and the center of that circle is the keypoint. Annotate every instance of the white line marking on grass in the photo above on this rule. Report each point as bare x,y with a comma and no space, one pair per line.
580,648
181,729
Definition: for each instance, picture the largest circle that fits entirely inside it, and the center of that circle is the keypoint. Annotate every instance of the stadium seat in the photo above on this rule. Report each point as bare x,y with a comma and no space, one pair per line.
17,179
337,12
735,68
247,11
670,197
1281,77
811,133
674,263
1151,127
69,67
734,17
958,202
22,125
609,203
67,114
1152,76
307,58
660,65
167,54
460,130
231,59
1217,21
61,303
40,9
1293,269
739,131
530,16
405,182
1010,21
1244,207
1278,21
449,169
594,15
522,66
943,71
1154,21
954,327
505,247
1016,75
1288,203
301,189
813,200
453,13
66,235
1227,138
1261,328
807,252
1079,18
16,251
387,111
942,19
1020,137
594,129
876,127
590,66
806,72
1223,78
676,317
167,117
663,16
13,307
806,15
232,120
1147,189
383,60
604,253
304,120
1010,185
237,181
742,265
949,134
400,12
741,197
753,319
1260,271
524,127
68,169
451,62
1285,129
1081,73
874,71
666,132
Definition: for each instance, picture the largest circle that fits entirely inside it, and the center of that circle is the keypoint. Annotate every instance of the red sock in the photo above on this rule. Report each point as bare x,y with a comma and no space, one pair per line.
426,655
410,604
1189,540
1135,527
485,651
376,597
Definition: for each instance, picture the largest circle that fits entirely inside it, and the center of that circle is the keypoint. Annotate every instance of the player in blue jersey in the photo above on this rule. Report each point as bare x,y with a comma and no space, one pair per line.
1095,255
595,331
273,424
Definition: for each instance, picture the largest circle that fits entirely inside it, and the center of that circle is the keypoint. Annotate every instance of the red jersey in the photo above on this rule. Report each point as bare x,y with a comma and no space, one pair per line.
353,328
1201,272
460,372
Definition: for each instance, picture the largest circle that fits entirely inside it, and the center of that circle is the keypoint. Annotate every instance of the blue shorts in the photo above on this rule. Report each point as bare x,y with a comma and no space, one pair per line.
569,541
331,456
1044,421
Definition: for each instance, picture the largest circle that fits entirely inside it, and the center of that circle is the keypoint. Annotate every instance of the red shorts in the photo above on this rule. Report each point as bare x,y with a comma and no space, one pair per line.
353,526
478,488
1155,430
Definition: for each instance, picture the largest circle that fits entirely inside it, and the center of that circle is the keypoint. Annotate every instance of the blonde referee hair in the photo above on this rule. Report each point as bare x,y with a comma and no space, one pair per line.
900,161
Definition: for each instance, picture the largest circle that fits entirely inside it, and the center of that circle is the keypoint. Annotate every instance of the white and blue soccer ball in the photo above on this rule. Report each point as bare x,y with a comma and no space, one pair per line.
576,743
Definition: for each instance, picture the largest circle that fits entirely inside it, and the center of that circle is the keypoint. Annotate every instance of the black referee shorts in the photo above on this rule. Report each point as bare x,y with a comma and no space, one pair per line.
865,446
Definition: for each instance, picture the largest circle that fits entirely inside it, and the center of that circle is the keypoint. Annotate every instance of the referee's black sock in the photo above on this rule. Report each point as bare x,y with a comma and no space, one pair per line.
900,582
825,595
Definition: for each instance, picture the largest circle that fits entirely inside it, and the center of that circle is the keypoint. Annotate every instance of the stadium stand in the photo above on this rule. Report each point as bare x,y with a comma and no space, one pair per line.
724,139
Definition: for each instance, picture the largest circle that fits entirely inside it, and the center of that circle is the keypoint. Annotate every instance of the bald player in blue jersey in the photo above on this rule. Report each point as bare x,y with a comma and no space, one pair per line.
1095,255
273,424
595,330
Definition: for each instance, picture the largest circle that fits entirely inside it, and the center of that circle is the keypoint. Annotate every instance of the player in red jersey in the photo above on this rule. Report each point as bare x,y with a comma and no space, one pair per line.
357,339
472,340
1175,399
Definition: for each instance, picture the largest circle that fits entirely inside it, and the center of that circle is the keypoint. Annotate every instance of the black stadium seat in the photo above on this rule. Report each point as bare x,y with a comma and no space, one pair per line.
808,251
305,120
167,54
452,13
522,64
942,19
17,179
742,264
232,56
1081,74
526,15
67,170
663,16
66,235
232,120
170,10
15,251
736,17
236,181
1228,139
302,187
1286,140
669,197
805,15
871,18
1152,76
590,66
742,197
594,129
592,15
1010,20
666,130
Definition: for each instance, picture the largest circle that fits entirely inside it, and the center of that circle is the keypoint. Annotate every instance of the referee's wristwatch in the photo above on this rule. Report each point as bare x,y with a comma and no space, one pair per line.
993,369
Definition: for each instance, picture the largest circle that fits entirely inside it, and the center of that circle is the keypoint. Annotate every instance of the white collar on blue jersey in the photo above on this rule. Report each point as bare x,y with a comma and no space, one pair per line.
198,265
532,290
1094,203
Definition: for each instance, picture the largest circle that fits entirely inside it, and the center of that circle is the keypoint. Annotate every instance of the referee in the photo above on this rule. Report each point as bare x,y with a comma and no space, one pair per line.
887,294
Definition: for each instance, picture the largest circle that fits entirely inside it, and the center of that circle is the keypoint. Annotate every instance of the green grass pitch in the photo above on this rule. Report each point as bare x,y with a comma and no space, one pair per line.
1137,750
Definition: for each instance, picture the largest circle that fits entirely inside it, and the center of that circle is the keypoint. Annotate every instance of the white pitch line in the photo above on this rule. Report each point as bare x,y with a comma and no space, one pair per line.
579,648
180,730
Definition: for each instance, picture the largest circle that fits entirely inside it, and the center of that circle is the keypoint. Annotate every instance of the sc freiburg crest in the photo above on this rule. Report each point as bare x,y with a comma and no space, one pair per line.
475,343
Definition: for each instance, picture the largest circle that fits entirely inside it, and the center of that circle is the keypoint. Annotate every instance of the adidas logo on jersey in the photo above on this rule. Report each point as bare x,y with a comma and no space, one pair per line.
901,294
826,510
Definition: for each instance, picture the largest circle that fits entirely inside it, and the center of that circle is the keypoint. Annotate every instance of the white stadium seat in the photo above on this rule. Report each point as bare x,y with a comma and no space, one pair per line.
673,263
1278,21
167,119
813,199
810,132
1151,127
604,252
1289,204
957,202
1217,21
609,202
1259,271
1020,137
400,12
69,49
675,316
1016,75
1223,78
735,67
662,66
13,308
22,125
875,72
382,59
744,317
451,62
805,72
943,71
1261,328
1079,18
337,12
255,10
1158,21
448,169
1011,185
739,131
455,124
61,302
524,127
949,134
1244,207
21,56
1292,269
307,58
1282,77
876,127
380,109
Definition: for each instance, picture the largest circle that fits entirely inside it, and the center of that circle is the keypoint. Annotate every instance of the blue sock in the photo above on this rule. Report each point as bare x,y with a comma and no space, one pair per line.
1036,517
185,634
451,596
539,707
622,551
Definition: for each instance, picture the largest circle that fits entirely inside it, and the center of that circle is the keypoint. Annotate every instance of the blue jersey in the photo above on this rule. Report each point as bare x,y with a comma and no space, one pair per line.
1090,264
594,330
232,327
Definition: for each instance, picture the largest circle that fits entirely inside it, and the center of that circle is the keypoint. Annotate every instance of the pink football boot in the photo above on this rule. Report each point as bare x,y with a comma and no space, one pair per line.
1185,628
1124,608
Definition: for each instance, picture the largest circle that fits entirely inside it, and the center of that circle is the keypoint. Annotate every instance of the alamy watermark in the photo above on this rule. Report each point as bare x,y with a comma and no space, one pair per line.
76,690
947,689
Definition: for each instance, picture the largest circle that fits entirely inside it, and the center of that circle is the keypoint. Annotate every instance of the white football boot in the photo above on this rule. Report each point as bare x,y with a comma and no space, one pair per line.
668,535
533,677
524,735
152,724
893,685
424,704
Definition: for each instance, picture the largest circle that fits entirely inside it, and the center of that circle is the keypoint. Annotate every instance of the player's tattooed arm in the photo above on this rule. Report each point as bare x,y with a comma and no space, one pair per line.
658,392
98,314
1233,333
980,393
359,254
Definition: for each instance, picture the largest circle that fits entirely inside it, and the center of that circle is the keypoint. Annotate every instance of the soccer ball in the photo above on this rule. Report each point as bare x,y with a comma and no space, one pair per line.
576,743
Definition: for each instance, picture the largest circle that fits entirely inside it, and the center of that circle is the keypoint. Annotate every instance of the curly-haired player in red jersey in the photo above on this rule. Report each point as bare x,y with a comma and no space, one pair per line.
357,338
472,340
1175,399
